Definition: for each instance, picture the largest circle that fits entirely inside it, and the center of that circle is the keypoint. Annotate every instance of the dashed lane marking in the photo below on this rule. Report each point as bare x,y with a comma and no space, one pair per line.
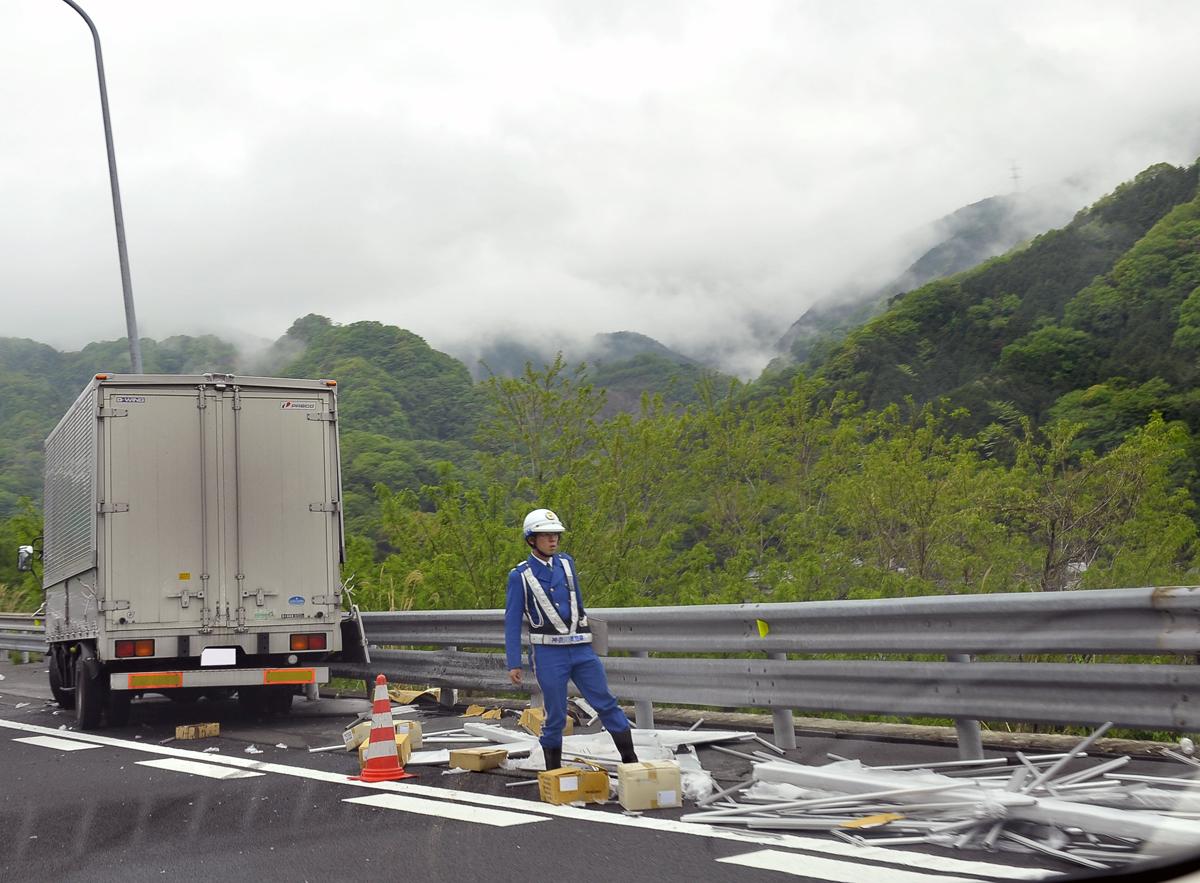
191,767
946,864
463,813
56,743
812,866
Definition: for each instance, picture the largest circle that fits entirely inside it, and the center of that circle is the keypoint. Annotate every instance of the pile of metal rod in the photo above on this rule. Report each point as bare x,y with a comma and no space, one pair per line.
1098,817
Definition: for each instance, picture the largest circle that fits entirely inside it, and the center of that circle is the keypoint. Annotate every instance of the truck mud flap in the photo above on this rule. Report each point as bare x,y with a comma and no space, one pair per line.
153,681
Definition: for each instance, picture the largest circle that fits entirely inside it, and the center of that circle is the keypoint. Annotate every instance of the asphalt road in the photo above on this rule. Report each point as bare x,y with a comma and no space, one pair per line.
134,804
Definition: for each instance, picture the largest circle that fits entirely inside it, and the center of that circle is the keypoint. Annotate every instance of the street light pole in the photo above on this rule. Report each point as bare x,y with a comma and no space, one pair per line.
135,346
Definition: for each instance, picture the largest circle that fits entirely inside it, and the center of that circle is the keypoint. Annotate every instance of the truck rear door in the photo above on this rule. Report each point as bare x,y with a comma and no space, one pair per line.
285,537
153,452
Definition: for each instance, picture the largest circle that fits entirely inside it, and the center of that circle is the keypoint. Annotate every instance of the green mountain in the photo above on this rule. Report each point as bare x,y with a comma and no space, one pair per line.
1094,320
962,240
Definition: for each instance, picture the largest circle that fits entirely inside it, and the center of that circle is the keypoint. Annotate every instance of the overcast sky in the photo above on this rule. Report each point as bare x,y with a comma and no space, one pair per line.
698,172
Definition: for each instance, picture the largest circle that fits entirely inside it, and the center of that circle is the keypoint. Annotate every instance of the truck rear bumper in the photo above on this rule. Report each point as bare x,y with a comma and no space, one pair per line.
226,677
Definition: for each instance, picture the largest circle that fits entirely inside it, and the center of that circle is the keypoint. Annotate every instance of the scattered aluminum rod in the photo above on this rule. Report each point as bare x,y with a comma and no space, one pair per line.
1055,769
520,783
916,807
725,750
761,741
1098,770
1087,786
989,839
326,748
696,725
1157,780
824,801
833,756
943,764
457,740
1100,855
1057,853
1017,779
713,798
1191,761
821,823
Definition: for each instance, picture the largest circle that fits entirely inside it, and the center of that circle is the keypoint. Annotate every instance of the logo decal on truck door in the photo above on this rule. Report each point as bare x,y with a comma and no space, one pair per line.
296,599
129,400
289,405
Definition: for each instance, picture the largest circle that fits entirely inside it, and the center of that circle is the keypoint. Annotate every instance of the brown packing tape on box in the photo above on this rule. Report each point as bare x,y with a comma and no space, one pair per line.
197,731
477,759
572,785
652,784
532,720
403,749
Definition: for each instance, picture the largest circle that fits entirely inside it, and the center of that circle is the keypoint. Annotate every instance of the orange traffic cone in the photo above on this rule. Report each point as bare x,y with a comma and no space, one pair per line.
382,762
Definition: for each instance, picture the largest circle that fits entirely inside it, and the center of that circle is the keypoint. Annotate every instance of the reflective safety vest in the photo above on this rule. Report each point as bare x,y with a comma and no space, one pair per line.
545,624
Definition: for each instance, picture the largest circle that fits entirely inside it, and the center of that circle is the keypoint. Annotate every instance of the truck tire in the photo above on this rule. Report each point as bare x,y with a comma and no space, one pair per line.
118,707
63,695
279,699
89,694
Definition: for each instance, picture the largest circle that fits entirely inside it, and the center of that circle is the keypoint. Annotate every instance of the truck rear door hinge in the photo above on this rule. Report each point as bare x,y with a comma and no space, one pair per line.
331,417
105,606
109,508
331,506
112,412
333,600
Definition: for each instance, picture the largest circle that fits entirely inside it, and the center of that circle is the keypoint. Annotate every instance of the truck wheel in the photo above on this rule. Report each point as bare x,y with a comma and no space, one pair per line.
89,694
279,700
250,699
118,707
64,696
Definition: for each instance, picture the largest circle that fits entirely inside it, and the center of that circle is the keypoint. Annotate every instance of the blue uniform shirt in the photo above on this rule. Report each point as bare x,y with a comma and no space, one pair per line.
554,580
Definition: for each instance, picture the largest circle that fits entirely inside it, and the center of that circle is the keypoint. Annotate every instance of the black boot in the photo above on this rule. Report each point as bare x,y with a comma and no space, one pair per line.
624,742
553,757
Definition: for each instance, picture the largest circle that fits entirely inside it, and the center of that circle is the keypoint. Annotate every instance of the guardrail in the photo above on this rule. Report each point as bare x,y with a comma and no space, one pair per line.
22,631
1143,621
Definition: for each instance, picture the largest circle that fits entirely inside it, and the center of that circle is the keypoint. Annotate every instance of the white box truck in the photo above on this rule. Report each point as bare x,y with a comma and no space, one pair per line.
193,542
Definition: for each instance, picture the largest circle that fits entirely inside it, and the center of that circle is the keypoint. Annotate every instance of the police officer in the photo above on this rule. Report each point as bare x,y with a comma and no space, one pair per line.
544,591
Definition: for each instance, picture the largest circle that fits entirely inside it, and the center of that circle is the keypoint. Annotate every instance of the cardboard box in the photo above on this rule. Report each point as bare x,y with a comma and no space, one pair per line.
653,784
571,785
197,731
413,728
477,759
532,720
356,735
403,749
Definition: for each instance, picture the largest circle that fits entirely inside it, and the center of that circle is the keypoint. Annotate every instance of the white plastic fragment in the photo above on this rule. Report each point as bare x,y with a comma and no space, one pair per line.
251,749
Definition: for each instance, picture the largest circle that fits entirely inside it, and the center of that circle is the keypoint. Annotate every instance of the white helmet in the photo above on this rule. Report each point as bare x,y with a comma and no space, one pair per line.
542,521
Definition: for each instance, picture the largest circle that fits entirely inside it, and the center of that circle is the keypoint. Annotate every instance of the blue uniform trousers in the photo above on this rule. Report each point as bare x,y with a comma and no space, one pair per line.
554,665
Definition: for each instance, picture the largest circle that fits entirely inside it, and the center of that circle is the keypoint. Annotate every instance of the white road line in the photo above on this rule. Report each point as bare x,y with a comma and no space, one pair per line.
198,769
56,743
446,810
828,869
812,844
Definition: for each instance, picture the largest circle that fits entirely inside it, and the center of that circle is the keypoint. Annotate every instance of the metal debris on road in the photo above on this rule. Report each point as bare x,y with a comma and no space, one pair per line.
1097,818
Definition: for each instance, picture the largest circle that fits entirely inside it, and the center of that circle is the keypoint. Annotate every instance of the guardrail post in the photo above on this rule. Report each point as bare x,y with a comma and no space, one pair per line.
448,696
784,722
970,740
643,709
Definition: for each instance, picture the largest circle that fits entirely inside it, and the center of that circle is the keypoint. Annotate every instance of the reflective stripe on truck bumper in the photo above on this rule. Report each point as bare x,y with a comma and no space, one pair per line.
237,677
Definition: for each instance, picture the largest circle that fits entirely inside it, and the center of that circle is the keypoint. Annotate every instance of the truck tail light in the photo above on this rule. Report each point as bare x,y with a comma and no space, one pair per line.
307,642
144,647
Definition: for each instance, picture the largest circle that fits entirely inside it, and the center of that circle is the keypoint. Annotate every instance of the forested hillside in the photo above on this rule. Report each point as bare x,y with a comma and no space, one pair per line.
1025,426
